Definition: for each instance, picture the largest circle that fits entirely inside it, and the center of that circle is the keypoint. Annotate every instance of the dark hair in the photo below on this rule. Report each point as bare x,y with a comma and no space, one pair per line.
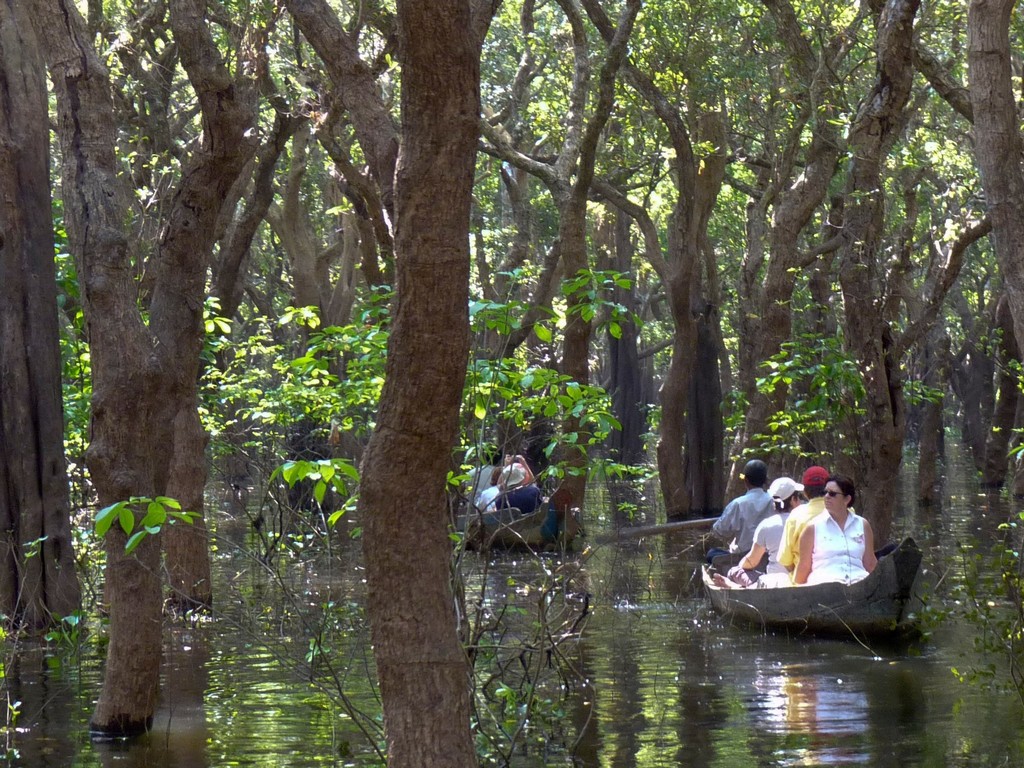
755,473
846,486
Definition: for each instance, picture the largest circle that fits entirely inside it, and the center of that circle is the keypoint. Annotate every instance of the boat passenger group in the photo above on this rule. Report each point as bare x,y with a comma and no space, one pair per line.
505,483
807,532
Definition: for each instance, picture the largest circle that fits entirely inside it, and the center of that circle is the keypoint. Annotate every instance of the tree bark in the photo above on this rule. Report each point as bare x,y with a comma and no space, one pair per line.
131,406
1004,414
867,331
930,443
144,373
38,581
422,668
997,140
793,193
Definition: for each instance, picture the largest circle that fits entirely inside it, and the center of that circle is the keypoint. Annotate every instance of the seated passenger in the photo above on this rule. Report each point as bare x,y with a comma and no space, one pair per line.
814,480
513,487
481,478
741,516
837,545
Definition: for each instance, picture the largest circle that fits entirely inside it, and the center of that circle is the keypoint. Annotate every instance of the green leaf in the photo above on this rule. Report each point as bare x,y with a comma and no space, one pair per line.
134,541
156,514
127,519
105,518
543,333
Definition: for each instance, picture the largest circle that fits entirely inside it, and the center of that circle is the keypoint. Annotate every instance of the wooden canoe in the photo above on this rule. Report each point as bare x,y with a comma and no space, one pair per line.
881,604
555,524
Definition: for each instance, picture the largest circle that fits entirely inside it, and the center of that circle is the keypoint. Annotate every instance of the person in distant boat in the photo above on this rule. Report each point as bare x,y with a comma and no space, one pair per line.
516,472
838,545
481,478
785,491
741,516
513,486
813,480
487,499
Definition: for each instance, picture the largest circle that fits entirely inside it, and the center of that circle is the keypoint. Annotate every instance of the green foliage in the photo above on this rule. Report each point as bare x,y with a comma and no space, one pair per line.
825,389
989,596
339,475
141,516
261,390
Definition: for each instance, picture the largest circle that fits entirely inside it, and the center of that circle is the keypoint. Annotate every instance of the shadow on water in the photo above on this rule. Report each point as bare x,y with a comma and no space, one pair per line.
658,680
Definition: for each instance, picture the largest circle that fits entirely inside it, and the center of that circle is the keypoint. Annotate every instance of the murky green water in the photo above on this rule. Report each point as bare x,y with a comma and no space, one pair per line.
654,680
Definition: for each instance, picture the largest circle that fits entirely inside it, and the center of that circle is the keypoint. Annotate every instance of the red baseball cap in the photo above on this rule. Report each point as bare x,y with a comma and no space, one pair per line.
815,476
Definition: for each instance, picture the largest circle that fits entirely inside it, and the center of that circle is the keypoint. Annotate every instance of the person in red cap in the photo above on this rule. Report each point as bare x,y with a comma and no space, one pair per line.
814,481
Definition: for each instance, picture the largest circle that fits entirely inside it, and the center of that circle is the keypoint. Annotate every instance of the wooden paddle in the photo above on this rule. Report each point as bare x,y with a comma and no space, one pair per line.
655,530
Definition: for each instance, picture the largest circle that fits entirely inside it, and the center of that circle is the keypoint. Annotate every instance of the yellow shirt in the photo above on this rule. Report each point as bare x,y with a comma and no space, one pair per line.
789,549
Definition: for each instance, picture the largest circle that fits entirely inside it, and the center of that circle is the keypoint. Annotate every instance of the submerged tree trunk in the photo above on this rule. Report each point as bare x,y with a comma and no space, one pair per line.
626,385
144,369
38,581
930,439
1007,399
422,668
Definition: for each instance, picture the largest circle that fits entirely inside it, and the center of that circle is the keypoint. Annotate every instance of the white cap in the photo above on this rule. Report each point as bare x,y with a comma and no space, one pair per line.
784,487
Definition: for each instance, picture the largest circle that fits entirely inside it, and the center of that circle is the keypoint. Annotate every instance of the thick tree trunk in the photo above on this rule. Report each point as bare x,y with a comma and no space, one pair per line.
704,457
143,375
422,668
38,582
1008,397
130,403
997,140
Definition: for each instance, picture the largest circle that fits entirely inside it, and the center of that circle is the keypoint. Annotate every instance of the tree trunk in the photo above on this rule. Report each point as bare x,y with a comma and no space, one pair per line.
38,582
131,419
867,332
705,471
625,375
997,140
1005,413
930,442
422,668
143,374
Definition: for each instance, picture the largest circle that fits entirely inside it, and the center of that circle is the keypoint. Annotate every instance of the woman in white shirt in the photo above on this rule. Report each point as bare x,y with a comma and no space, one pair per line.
838,545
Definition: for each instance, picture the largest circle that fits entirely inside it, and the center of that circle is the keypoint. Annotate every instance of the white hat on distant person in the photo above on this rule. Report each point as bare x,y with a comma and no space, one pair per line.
784,487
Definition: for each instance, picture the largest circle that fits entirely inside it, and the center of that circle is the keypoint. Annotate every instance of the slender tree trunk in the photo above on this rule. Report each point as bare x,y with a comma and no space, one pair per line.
38,582
930,442
422,668
626,385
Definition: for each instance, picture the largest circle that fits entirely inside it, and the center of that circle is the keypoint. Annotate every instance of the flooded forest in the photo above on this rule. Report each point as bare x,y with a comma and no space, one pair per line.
371,375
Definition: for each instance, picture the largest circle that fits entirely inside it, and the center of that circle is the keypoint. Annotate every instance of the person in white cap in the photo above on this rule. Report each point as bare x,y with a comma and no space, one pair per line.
785,491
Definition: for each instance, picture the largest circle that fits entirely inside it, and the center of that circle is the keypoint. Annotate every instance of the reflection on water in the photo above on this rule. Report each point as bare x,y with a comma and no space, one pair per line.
658,680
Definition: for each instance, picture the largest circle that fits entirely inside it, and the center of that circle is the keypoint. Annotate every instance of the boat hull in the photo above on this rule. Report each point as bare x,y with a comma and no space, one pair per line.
881,604
507,529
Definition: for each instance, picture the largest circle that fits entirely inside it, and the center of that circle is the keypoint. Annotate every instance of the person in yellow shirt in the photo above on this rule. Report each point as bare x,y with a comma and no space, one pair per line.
814,480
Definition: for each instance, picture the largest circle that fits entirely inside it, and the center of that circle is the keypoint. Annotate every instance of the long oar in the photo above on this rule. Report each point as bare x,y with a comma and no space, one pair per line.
655,530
